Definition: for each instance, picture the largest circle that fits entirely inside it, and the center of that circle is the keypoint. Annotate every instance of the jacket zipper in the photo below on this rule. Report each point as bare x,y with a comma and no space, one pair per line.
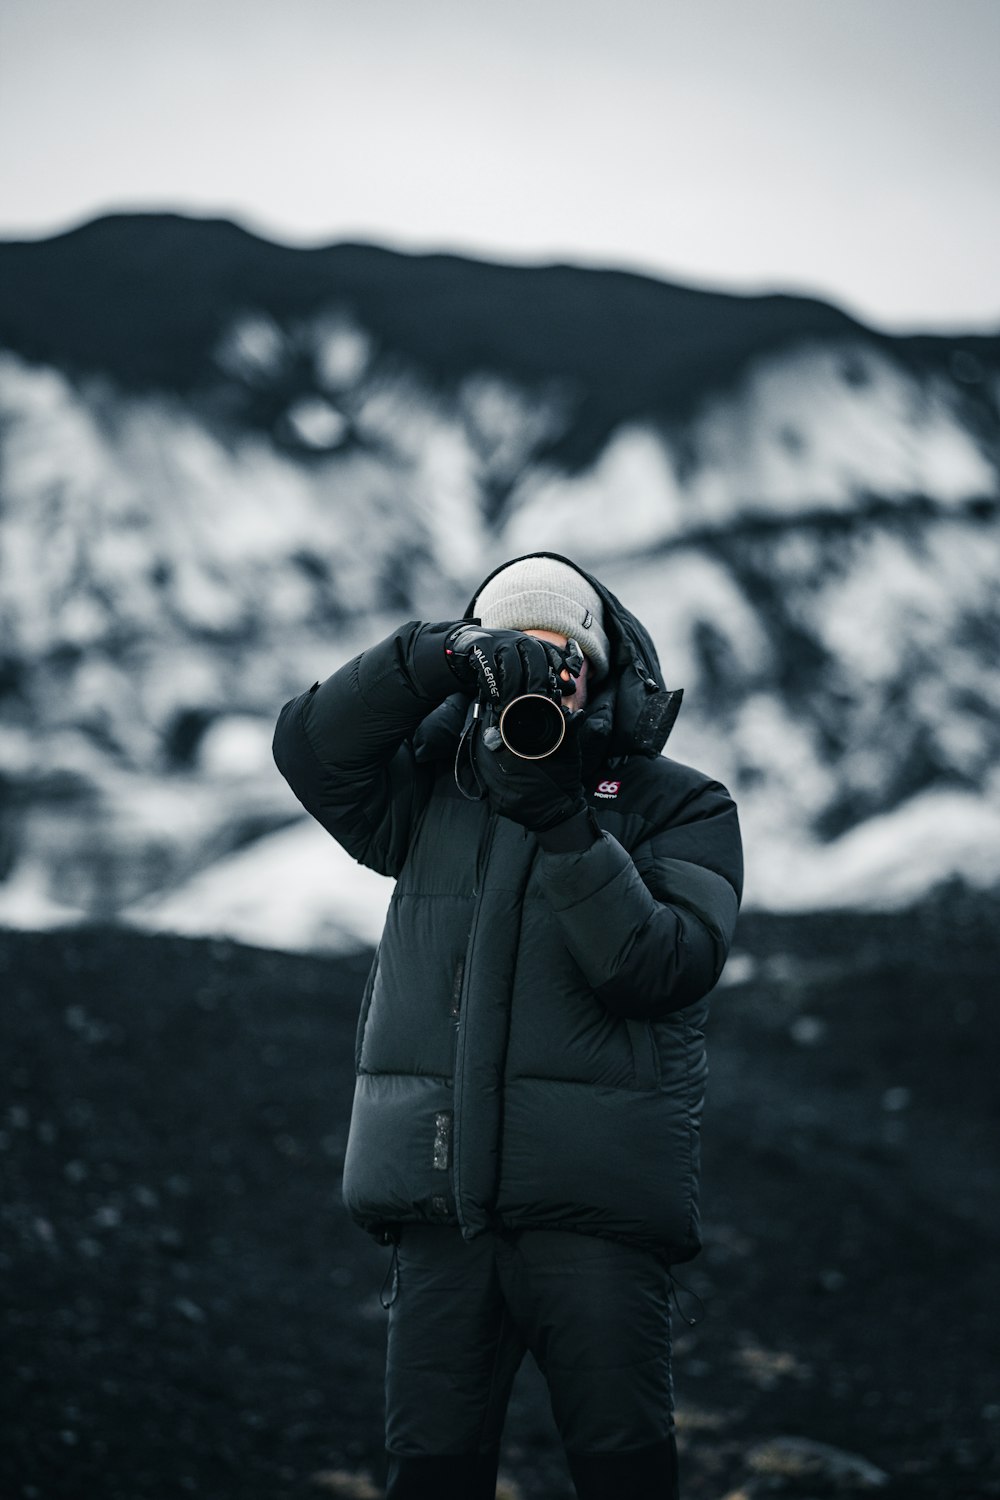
481,867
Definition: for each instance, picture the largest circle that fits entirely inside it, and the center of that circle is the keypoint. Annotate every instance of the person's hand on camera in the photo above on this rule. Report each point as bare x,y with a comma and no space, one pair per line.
502,664
538,794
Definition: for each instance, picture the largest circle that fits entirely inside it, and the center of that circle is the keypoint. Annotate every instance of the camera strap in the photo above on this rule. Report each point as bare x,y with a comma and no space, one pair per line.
465,760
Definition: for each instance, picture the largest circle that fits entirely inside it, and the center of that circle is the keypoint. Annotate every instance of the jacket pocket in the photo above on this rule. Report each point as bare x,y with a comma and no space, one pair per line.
645,1057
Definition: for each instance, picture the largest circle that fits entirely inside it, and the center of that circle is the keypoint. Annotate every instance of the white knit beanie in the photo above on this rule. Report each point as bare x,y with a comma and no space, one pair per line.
539,593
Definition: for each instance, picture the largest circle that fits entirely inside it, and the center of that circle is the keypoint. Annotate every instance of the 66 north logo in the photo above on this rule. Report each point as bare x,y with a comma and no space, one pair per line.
608,789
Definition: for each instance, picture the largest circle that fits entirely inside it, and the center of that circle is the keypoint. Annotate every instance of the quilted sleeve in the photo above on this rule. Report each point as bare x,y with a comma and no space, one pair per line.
651,929
344,746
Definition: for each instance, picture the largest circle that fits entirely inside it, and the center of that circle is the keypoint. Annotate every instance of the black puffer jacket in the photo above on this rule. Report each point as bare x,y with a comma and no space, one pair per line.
530,1049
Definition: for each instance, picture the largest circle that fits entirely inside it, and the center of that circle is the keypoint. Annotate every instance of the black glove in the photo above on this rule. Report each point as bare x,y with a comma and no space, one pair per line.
502,664
538,794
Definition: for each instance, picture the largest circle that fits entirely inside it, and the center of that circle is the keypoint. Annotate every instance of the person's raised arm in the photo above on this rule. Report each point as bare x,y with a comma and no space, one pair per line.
344,746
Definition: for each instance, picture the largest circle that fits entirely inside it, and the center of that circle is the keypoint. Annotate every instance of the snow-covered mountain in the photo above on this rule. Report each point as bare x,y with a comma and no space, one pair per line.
226,465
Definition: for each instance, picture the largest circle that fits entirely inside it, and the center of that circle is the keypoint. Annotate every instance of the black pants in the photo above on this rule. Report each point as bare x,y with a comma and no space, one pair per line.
596,1318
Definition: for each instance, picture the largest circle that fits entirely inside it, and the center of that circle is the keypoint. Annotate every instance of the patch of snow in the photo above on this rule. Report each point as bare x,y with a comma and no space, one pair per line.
741,968
295,890
817,427
445,498
236,746
506,424
316,423
628,500
769,737
675,592
26,754
824,427
342,352
25,902
254,349
883,864
903,593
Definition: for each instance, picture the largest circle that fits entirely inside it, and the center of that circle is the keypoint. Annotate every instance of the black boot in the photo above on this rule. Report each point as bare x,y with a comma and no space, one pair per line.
642,1474
449,1476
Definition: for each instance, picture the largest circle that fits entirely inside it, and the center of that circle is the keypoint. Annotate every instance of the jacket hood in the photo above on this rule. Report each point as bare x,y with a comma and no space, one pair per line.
632,710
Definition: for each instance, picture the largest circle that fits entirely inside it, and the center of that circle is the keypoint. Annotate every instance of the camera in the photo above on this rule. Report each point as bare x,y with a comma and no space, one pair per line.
533,725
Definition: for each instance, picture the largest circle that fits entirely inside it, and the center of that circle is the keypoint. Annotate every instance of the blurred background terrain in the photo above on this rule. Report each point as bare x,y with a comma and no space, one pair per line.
307,321
228,464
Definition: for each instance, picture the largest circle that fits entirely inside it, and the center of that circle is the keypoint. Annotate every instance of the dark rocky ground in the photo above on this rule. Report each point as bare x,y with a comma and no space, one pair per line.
188,1311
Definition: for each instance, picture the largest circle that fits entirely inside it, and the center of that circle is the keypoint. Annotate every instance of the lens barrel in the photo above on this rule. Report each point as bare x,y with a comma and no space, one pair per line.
532,726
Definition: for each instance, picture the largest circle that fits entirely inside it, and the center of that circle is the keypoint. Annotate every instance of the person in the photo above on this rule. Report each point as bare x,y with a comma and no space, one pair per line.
530,1050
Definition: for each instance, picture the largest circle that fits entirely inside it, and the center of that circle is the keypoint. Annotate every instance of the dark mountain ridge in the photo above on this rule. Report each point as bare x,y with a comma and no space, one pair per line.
146,298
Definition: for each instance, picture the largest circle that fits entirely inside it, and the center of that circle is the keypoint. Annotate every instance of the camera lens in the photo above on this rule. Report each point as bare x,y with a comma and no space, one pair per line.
532,726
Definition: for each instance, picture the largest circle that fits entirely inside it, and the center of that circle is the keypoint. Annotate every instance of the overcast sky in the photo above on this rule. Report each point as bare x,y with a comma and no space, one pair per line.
846,147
